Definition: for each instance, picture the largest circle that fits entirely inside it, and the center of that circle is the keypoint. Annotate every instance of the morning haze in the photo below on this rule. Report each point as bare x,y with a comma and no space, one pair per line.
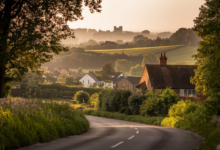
134,75
138,15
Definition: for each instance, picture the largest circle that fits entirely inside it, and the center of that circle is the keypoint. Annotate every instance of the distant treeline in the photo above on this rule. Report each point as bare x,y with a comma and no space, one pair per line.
181,37
78,57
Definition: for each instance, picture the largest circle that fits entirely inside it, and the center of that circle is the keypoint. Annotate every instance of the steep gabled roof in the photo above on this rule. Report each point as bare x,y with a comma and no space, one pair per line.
173,76
93,76
133,80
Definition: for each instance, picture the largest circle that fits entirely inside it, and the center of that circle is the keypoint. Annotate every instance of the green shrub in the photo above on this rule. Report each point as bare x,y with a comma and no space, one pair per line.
82,97
94,100
158,102
182,109
169,122
212,105
25,122
113,100
134,102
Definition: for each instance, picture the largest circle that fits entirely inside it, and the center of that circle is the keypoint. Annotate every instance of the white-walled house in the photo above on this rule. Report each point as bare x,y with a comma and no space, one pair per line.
90,79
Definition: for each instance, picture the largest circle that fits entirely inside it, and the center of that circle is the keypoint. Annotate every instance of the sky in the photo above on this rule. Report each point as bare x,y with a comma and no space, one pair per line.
139,15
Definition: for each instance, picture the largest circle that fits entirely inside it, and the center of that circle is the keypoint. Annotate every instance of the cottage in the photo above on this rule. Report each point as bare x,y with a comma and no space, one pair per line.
92,79
129,82
176,77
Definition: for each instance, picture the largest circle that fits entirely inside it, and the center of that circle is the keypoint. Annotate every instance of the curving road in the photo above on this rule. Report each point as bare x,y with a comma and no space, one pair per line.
110,134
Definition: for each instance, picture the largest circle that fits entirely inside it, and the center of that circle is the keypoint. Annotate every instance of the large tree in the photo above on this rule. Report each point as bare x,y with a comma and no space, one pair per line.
31,30
207,26
107,70
123,65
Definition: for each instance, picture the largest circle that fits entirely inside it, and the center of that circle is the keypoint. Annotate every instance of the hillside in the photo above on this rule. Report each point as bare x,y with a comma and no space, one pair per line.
175,53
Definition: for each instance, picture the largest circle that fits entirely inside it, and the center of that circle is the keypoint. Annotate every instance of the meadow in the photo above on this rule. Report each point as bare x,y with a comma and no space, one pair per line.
177,54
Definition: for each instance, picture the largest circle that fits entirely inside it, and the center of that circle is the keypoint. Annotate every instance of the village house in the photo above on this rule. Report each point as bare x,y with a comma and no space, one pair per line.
176,77
129,83
91,79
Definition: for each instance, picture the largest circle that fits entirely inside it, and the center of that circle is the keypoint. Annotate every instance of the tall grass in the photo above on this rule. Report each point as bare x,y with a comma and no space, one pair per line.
25,122
133,118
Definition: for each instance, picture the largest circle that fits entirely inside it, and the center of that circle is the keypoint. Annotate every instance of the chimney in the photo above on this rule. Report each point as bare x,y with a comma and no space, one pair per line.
163,60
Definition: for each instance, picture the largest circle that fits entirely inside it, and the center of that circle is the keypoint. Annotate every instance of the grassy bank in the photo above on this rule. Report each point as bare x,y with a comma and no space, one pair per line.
133,118
25,122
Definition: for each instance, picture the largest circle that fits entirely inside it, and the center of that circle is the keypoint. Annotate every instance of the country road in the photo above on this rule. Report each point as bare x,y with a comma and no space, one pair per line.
107,134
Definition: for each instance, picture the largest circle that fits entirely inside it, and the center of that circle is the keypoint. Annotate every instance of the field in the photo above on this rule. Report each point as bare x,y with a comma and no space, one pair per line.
177,54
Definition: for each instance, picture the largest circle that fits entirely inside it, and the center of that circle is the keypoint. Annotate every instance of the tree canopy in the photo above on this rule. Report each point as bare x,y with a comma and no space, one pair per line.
107,70
123,65
207,75
31,30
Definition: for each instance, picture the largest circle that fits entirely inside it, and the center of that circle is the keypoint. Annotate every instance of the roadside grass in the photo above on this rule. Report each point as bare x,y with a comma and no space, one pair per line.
133,118
26,122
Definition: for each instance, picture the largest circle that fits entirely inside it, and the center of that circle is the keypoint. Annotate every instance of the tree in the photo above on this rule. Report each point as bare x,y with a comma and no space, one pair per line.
50,77
29,84
31,31
69,81
150,59
146,32
207,75
81,97
136,71
123,65
107,70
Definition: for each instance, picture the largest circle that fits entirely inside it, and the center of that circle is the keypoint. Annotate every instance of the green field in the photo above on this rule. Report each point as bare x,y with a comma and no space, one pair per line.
177,54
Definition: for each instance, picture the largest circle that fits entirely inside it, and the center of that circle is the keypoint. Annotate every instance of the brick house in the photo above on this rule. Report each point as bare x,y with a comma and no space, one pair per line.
129,83
176,77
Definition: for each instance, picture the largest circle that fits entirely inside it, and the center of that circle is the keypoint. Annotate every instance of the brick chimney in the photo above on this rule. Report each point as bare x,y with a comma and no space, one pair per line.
163,60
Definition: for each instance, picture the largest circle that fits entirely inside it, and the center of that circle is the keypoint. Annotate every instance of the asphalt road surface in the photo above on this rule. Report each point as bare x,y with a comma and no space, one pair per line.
110,134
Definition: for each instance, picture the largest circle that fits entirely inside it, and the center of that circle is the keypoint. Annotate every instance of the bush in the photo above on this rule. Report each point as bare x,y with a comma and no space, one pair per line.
158,102
81,97
134,102
94,100
212,105
25,122
113,100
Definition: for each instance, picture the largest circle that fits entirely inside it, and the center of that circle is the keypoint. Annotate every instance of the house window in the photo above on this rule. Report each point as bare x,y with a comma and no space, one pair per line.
124,85
187,92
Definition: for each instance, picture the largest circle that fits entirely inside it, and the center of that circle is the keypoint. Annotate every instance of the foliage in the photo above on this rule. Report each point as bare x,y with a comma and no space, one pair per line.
149,59
50,77
185,36
158,102
136,71
113,100
26,122
48,91
69,81
207,75
107,70
81,97
134,102
192,116
30,85
30,33
212,105
133,118
94,100
123,65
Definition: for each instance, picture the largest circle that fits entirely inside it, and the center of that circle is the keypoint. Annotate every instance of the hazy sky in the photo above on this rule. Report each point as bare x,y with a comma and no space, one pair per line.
139,15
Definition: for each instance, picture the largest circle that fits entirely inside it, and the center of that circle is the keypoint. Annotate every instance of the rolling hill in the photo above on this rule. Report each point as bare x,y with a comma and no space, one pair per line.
177,54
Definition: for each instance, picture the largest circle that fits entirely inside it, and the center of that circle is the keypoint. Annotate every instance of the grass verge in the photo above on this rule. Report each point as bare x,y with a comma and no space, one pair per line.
133,118
26,122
